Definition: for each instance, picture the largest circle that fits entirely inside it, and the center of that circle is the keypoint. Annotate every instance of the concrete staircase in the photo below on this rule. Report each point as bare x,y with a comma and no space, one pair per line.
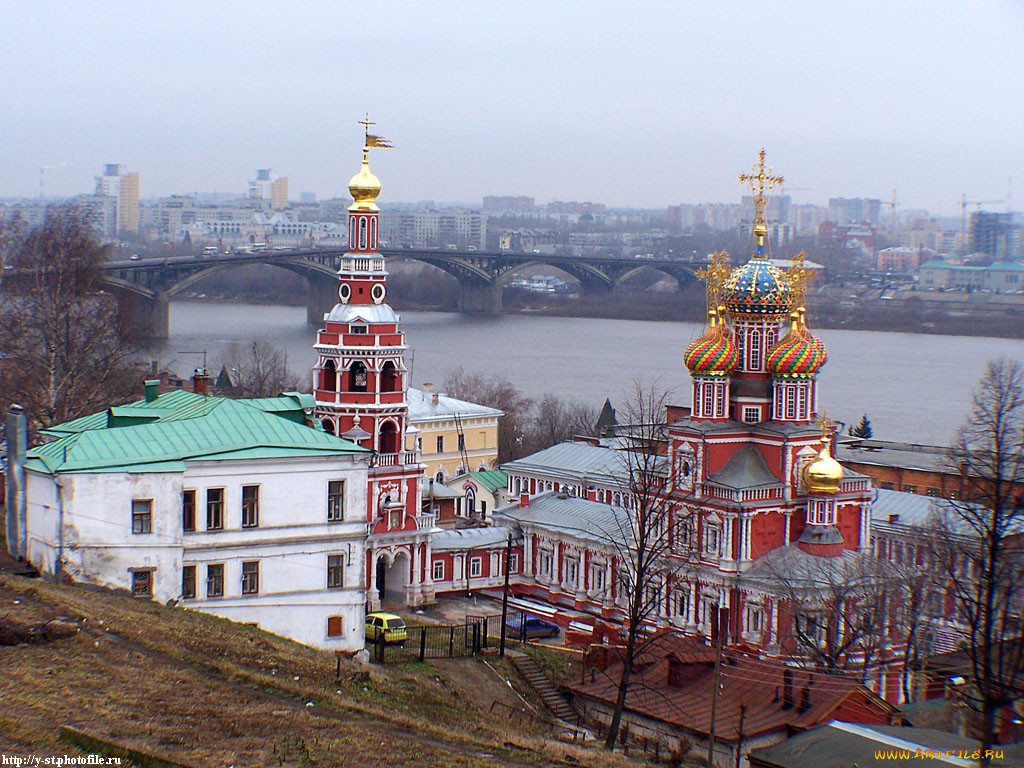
544,688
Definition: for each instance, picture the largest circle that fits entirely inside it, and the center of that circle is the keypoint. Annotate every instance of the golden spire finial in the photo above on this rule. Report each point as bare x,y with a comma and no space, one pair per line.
761,181
826,424
715,275
799,277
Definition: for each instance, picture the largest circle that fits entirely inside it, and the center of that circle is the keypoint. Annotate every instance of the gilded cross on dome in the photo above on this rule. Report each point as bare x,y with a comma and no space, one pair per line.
370,139
798,276
715,276
826,424
761,181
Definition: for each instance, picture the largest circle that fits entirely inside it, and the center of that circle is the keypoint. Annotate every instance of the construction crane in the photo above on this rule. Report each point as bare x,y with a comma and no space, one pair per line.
892,206
964,202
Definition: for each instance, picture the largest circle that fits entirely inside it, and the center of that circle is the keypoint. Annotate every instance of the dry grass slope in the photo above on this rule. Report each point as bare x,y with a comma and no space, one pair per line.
209,692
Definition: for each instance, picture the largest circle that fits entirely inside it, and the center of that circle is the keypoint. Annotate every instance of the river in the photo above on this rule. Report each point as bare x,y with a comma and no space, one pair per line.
913,387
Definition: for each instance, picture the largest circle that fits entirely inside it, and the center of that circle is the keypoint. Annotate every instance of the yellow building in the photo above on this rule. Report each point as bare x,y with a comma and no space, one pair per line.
453,436
279,193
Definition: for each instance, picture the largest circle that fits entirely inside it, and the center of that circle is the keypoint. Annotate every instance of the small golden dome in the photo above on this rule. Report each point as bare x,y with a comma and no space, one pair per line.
824,474
364,187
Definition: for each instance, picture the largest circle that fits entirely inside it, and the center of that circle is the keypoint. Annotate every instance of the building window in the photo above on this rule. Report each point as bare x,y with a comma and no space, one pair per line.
712,536
335,571
335,501
188,582
755,618
358,329
886,485
462,442
751,415
571,567
476,566
597,577
215,580
439,570
910,489
440,443
791,402
933,492
142,516
682,604
395,518
142,583
513,563
546,561
214,509
755,350
709,400
250,577
188,510
250,506
335,626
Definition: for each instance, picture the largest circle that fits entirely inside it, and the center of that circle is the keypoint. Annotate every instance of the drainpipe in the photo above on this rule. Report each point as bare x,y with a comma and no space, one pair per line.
58,569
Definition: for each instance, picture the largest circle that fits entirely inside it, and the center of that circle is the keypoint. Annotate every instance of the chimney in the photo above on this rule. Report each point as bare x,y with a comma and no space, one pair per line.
428,387
787,689
524,499
893,519
152,389
200,381
435,398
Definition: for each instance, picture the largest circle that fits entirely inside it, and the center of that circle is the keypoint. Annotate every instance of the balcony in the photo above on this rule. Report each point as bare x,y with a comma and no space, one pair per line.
397,459
426,522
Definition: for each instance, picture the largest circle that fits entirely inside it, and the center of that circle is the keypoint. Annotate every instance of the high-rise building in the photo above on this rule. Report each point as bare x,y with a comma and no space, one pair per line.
117,183
854,210
279,193
269,186
994,234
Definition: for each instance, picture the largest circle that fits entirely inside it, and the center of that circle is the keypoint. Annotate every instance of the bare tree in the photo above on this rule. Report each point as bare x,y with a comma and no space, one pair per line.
501,394
556,421
260,369
66,344
982,543
650,542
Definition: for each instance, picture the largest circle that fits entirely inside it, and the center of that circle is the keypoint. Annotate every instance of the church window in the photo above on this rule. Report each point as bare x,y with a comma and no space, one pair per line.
740,338
362,232
358,328
681,603
712,537
709,399
755,350
755,618
751,415
373,234
546,561
790,402
439,570
720,400
395,518
597,577
513,563
801,410
769,338
358,374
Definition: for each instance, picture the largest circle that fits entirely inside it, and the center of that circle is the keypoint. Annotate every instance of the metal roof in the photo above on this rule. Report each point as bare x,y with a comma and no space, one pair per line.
579,517
576,461
210,428
469,538
493,479
423,408
745,469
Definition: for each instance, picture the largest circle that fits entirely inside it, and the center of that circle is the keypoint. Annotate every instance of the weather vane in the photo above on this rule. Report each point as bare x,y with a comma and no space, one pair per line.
372,140
761,181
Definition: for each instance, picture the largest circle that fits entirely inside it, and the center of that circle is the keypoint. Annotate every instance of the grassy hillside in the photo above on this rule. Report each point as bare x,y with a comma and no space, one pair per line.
208,692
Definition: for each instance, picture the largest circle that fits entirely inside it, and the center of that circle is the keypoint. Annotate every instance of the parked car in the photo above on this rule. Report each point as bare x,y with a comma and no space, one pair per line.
386,625
534,628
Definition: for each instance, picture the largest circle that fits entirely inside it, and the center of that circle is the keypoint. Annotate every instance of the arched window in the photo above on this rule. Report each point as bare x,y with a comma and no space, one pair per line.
373,233
755,350
362,232
389,380
357,376
388,437
329,377
328,426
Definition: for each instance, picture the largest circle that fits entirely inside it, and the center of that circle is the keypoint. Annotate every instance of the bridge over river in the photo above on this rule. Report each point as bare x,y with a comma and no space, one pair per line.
150,283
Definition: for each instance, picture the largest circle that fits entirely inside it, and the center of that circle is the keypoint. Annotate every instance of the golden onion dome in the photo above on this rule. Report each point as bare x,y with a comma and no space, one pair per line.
364,187
824,474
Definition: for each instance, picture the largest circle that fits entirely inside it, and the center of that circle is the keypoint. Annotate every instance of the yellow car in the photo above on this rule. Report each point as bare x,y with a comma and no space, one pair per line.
386,625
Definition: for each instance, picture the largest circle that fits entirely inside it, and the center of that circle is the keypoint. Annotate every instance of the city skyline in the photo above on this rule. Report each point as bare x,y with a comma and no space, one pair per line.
646,109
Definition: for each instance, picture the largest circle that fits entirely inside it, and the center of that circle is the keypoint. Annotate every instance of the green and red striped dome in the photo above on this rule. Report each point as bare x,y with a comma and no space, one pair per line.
713,354
798,355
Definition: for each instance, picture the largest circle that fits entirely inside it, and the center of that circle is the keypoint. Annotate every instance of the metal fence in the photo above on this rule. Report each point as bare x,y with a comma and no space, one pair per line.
448,641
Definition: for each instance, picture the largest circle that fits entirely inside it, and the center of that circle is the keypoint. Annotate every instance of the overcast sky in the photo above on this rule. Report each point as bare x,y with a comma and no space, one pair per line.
628,103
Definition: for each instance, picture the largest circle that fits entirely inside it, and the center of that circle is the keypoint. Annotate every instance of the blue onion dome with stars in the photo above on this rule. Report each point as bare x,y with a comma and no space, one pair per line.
758,290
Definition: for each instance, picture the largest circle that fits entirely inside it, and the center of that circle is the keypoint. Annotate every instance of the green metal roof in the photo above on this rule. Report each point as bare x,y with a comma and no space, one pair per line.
492,479
196,428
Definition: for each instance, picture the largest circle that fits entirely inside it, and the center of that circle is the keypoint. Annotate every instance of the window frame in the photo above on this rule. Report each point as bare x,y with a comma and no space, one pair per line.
250,578
215,508
437,570
215,578
336,571
186,581
335,501
142,521
188,510
251,507
142,582
476,567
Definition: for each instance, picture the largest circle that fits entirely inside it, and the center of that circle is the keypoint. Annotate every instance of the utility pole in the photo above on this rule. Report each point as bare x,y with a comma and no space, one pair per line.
714,691
504,596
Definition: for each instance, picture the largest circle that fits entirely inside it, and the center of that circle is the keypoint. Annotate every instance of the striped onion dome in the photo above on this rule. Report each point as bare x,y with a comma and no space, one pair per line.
798,355
714,353
757,290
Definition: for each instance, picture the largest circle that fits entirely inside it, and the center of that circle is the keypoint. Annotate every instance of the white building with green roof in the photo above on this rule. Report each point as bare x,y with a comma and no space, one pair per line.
233,507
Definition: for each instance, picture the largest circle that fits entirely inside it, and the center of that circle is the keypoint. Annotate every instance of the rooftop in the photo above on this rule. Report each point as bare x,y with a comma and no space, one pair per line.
423,408
578,517
575,460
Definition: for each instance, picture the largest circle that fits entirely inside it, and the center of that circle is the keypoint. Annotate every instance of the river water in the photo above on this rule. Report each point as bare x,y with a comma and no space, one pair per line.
913,387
